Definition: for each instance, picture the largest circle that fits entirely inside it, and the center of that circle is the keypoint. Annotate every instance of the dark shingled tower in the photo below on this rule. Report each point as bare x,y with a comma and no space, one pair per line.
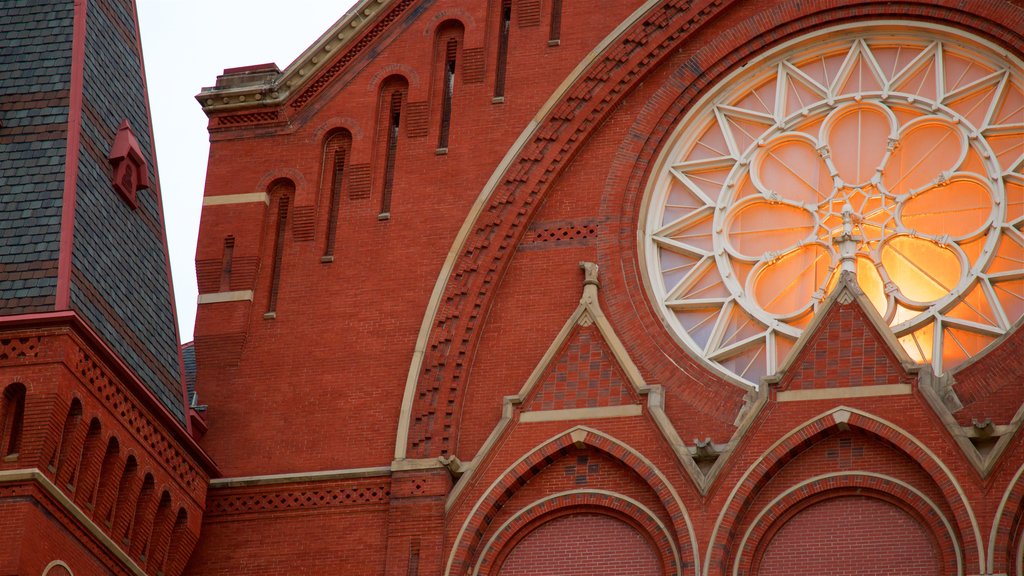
71,238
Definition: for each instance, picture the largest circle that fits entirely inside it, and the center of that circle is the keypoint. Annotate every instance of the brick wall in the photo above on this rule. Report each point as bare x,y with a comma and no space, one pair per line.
579,545
851,535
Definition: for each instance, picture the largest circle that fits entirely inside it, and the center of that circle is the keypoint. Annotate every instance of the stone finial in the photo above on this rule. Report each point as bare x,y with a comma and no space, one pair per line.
590,272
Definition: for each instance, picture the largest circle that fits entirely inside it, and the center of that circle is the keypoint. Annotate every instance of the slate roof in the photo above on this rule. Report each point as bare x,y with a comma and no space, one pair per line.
188,356
35,76
120,280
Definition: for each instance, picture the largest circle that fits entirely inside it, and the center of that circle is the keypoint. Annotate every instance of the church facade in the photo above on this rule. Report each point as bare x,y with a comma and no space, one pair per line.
525,287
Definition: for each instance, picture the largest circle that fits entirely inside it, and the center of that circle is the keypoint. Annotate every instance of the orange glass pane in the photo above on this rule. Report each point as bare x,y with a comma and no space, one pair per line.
746,132
697,233
823,69
925,151
680,202
799,95
893,59
923,270
675,267
1010,294
793,170
740,326
1009,255
857,140
918,344
975,307
861,77
699,323
1011,107
787,285
710,182
760,227
919,82
1008,147
961,207
749,364
871,283
960,71
974,104
1014,200
959,345
707,284
760,99
711,144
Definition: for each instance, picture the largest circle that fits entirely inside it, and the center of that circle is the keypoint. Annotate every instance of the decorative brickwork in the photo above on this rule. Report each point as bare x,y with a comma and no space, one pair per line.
584,376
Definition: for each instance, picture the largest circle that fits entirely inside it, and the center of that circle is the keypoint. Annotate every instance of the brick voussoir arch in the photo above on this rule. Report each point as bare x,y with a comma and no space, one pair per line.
468,541
497,222
769,520
603,502
733,513
1007,537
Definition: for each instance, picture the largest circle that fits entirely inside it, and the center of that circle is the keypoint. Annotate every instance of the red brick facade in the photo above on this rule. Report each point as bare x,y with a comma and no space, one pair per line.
406,372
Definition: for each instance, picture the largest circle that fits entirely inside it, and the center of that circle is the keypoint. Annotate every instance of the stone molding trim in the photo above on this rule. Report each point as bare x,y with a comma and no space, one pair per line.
583,501
311,72
57,564
863,483
581,413
844,393
468,539
237,199
294,477
803,435
33,475
233,296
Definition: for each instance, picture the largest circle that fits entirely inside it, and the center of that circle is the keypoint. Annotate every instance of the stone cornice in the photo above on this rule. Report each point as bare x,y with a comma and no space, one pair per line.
259,87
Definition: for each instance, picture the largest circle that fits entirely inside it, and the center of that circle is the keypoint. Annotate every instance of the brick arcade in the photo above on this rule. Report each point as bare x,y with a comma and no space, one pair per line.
474,295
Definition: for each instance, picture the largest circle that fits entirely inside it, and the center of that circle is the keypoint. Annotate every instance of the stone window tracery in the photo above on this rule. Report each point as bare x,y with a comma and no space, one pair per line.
894,152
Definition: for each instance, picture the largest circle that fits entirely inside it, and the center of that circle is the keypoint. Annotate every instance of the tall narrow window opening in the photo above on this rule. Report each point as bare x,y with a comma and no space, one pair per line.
279,236
394,121
505,25
448,90
12,415
336,149
225,269
555,34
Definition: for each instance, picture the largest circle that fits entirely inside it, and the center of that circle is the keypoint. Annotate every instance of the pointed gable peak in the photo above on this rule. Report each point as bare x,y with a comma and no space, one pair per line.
583,374
847,344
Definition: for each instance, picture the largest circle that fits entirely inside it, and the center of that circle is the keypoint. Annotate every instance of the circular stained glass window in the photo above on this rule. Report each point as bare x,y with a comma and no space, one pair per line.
892,151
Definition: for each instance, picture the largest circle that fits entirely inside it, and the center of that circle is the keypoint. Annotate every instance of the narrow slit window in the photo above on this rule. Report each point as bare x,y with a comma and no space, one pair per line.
12,419
275,275
555,34
225,269
337,177
394,121
448,91
505,26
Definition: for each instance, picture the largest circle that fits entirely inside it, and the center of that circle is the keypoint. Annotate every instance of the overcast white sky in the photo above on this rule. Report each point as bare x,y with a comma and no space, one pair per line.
186,44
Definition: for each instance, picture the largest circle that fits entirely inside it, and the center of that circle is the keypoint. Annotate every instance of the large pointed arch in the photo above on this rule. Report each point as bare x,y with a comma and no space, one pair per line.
480,253
468,541
760,471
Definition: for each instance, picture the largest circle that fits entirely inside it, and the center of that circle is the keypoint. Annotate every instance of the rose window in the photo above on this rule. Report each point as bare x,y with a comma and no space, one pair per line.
894,153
